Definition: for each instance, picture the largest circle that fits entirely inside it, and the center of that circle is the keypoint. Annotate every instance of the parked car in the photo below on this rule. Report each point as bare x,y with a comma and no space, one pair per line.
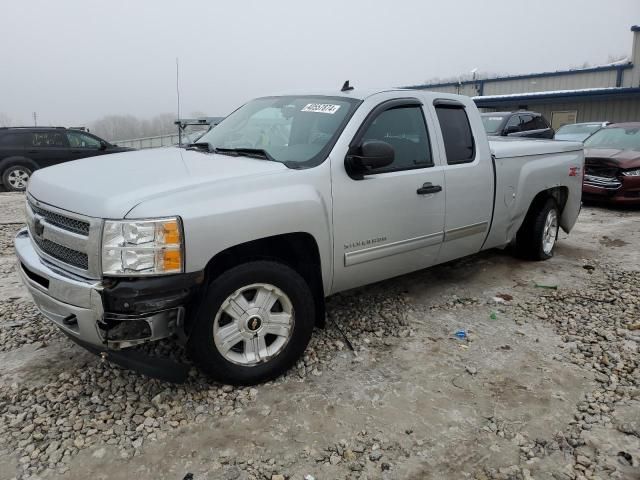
26,149
612,164
517,124
233,244
578,132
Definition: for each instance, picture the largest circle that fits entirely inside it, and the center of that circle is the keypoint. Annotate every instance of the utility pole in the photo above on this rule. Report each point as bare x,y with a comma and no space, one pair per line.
35,119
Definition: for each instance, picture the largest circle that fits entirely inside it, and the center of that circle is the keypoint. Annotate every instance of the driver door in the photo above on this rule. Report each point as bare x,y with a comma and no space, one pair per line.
83,145
386,223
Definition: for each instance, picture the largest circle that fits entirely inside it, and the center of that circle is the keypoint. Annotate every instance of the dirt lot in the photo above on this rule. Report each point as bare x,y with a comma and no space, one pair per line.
545,386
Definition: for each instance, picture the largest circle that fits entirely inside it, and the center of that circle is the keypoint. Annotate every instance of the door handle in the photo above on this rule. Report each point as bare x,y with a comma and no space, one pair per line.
32,151
428,188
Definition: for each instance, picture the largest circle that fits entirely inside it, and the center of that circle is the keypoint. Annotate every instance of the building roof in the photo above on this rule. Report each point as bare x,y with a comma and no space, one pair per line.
601,68
557,96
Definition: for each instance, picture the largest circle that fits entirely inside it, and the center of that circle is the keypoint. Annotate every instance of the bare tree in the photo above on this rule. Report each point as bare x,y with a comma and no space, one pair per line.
465,77
125,127
5,121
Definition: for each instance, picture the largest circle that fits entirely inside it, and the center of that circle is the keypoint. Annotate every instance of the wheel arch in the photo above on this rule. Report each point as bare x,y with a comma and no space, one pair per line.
17,160
560,194
298,250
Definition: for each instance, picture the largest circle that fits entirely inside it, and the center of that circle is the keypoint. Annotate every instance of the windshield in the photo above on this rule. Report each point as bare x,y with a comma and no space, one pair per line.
293,130
492,123
617,137
579,128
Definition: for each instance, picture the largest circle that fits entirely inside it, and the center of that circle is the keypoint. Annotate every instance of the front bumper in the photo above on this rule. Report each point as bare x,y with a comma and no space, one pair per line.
105,314
623,191
72,303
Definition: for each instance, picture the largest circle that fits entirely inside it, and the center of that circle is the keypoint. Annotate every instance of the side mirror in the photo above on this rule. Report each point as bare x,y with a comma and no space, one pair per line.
371,155
103,145
510,129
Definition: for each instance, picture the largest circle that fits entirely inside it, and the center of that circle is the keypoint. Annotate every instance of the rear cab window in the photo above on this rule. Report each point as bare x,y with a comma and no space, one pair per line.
456,130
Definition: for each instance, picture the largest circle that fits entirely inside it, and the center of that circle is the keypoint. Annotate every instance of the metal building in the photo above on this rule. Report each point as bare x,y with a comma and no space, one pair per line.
605,93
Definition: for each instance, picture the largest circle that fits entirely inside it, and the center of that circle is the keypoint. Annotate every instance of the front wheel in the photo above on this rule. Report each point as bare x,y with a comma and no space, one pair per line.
537,237
16,177
255,322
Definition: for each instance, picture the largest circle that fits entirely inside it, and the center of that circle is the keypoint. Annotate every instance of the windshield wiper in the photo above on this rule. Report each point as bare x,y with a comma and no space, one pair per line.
199,146
245,152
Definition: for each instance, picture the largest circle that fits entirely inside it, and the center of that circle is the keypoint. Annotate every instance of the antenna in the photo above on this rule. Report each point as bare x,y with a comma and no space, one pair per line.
35,119
346,87
178,85
178,98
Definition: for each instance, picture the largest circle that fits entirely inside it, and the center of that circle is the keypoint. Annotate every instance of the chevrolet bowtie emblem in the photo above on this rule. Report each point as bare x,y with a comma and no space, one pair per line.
38,227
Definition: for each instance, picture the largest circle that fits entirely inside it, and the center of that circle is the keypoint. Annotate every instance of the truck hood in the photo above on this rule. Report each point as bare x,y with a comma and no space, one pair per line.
624,159
109,186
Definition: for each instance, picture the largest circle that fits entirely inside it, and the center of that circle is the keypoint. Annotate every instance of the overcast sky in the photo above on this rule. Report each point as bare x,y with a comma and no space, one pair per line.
74,61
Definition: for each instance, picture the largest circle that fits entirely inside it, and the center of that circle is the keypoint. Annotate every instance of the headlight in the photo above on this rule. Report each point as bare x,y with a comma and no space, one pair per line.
142,247
632,173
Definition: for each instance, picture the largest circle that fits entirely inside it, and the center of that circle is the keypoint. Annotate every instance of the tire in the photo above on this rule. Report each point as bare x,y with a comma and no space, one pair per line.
538,235
254,343
15,177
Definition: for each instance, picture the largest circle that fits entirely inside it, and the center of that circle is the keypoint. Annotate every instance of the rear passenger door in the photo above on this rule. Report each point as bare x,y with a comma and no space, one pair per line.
469,180
48,147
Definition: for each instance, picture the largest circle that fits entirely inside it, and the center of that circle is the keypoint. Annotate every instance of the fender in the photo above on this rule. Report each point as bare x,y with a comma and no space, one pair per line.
221,215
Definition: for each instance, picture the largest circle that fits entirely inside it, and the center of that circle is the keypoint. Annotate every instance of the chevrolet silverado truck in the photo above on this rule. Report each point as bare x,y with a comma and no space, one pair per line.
232,244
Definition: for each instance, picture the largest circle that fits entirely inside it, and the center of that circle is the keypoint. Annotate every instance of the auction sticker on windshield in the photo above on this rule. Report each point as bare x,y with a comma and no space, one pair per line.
321,108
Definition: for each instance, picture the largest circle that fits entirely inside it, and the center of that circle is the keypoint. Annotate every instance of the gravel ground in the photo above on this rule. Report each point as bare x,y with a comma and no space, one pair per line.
113,407
600,328
544,386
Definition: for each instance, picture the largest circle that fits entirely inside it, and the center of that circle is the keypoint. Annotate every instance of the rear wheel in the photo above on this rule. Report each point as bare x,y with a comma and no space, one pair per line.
16,177
255,322
537,237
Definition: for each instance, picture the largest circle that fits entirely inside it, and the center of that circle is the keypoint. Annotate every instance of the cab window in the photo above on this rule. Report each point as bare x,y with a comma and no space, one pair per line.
81,140
514,121
405,130
528,122
456,132
48,139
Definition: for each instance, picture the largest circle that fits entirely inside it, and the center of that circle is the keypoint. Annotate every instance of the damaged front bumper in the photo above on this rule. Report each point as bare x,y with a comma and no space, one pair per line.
106,316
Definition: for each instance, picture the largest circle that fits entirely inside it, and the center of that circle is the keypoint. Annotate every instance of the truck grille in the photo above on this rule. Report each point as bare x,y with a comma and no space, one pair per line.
66,223
62,253
64,238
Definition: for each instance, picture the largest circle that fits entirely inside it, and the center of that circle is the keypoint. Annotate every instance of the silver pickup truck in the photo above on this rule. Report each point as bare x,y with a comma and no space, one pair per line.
232,244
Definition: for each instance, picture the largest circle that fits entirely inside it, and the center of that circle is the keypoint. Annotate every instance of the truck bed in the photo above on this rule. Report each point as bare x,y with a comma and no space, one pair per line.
503,147
524,167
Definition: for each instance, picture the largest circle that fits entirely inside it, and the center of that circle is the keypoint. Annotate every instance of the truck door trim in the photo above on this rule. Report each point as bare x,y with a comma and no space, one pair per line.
380,251
467,230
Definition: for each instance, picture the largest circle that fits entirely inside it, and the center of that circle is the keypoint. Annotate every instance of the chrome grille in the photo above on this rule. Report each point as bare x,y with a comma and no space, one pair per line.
66,223
66,239
608,183
62,253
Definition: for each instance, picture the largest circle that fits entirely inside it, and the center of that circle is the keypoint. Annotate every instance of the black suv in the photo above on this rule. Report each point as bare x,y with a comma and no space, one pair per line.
517,124
25,149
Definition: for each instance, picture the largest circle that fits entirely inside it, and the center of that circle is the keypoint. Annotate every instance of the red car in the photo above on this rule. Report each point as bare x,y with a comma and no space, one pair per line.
612,164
